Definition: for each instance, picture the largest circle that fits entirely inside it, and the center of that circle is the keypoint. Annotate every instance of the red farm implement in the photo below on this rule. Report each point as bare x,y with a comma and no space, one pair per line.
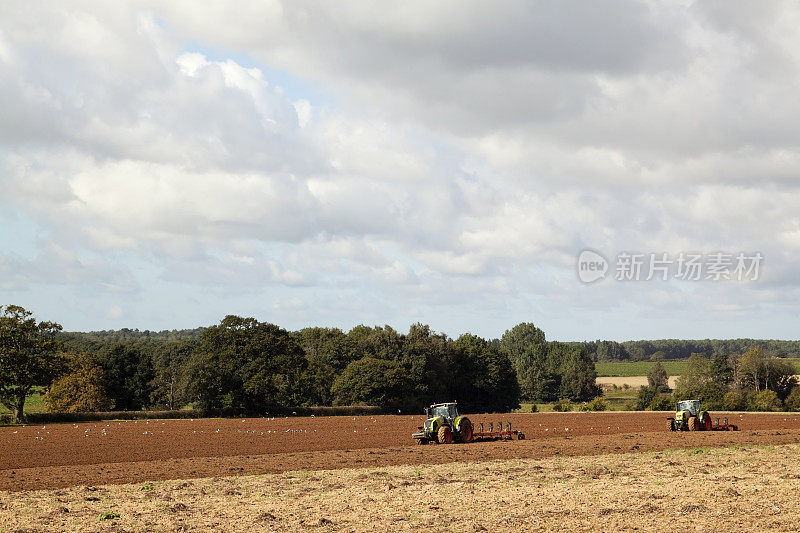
500,433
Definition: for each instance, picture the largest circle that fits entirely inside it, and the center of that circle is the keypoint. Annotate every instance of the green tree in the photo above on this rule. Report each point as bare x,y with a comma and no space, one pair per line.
210,378
563,405
248,365
693,383
424,359
526,347
720,369
28,356
735,400
578,376
481,377
657,378
370,381
573,370
779,376
660,403
645,397
82,389
169,383
766,400
758,372
129,370
792,402
379,342
328,351
751,369
609,351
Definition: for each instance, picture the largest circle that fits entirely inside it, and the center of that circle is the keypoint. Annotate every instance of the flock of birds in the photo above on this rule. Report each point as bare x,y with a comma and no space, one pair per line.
152,427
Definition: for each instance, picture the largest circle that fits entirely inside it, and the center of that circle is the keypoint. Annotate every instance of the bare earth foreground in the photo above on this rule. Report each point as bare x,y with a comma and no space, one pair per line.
574,471
705,489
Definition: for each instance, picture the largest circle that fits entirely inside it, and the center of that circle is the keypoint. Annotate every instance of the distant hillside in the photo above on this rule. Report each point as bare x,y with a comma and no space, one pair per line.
646,350
94,340
666,349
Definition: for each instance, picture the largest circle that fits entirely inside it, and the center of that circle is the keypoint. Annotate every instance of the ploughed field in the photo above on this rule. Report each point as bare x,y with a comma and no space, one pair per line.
63,455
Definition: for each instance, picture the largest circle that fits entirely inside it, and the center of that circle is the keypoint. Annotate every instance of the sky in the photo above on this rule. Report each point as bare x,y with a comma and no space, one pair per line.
164,164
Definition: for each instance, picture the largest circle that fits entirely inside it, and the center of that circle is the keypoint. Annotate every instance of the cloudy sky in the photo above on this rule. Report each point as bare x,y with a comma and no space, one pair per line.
334,163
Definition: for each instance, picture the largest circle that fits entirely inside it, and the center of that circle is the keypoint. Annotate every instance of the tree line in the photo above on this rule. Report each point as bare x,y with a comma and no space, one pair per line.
252,366
668,349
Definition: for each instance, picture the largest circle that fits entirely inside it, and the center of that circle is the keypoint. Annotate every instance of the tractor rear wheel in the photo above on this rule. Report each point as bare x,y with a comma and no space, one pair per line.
465,430
692,423
444,436
670,425
706,422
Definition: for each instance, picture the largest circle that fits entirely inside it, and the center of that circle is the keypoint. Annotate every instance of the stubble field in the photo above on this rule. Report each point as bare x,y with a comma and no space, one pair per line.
702,489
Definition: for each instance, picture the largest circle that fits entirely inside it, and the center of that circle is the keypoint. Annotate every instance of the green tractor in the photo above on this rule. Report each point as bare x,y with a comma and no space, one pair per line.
444,425
690,417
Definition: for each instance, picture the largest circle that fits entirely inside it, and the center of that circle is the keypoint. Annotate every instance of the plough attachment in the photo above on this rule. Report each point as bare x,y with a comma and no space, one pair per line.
723,426
500,434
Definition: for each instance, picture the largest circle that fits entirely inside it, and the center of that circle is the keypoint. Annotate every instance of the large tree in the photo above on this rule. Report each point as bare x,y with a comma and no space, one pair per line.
526,347
129,369
695,380
370,381
168,386
28,356
657,378
575,371
82,389
424,361
247,364
328,351
481,377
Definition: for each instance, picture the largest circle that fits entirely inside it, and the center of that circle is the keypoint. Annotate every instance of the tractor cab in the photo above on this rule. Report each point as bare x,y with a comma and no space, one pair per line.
448,411
691,407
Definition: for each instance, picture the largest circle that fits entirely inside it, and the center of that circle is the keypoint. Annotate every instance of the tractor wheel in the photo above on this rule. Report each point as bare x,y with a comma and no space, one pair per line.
693,423
444,436
670,425
466,430
706,422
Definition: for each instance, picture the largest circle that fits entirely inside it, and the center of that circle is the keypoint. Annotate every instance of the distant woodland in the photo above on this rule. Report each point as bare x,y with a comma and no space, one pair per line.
253,366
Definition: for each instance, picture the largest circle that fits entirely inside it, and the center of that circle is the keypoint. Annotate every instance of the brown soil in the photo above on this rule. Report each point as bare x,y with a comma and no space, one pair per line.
62,455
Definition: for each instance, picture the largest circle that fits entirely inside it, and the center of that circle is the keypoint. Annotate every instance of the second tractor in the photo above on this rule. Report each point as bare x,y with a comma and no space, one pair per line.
689,416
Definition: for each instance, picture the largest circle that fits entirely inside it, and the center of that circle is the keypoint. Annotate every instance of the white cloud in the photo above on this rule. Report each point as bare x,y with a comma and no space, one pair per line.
443,155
